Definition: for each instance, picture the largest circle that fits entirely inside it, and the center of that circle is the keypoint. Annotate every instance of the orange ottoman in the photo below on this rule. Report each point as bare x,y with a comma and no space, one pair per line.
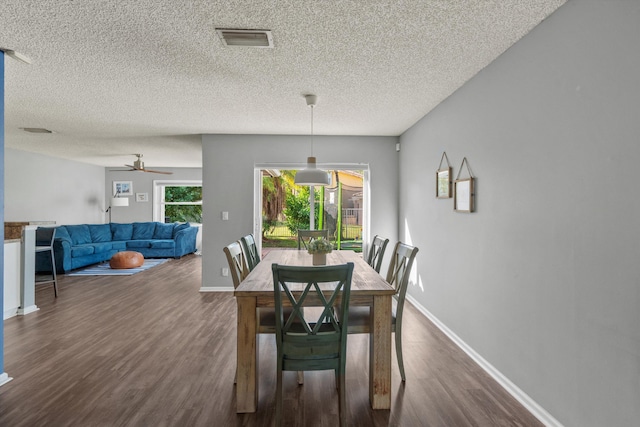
126,259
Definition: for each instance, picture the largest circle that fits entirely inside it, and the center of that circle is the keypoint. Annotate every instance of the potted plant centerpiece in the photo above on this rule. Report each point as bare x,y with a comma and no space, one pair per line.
319,248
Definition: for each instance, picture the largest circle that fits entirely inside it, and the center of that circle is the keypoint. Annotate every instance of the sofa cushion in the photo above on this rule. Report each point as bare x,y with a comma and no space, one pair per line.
79,234
98,248
163,231
62,233
100,232
82,250
143,230
119,246
163,244
139,243
121,231
180,227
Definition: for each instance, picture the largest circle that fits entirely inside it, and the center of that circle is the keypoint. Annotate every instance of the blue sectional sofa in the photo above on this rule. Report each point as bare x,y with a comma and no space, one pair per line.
77,246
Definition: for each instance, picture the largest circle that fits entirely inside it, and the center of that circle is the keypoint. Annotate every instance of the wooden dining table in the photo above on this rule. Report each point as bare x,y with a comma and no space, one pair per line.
368,288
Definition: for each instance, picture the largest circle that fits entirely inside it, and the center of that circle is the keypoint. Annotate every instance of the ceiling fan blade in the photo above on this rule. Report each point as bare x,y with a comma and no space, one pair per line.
152,171
138,165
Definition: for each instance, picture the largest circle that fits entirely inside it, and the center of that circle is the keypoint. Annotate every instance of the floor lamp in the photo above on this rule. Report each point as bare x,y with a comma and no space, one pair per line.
117,201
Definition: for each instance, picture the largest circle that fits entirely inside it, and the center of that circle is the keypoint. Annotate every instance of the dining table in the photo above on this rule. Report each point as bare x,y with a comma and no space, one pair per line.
368,288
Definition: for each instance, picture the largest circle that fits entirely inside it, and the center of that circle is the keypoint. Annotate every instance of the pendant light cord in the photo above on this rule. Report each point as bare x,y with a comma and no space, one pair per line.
311,130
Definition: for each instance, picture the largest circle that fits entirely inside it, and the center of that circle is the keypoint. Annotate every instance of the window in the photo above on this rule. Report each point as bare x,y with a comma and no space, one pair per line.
177,201
345,205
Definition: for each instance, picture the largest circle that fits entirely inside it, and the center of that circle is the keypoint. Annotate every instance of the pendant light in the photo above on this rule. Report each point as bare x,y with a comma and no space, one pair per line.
310,175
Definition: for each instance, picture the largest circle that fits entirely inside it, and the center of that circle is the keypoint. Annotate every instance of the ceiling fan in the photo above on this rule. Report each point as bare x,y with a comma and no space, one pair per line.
138,165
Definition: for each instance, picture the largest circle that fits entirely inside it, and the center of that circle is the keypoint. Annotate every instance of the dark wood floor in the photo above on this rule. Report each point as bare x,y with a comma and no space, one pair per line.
150,350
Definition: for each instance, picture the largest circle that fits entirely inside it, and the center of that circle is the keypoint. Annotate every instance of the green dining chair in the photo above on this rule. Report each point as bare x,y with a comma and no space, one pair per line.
307,236
304,340
397,276
376,253
250,251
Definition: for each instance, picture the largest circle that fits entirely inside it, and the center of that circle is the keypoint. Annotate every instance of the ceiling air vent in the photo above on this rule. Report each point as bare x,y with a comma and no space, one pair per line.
245,38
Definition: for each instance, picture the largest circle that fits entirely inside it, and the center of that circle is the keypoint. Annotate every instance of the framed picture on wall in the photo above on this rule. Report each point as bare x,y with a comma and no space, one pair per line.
443,178
443,183
142,197
463,195
123,188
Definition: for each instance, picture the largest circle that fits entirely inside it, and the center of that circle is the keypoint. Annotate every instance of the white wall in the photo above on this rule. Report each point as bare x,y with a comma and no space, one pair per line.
542,281
142,183
228,164
42,188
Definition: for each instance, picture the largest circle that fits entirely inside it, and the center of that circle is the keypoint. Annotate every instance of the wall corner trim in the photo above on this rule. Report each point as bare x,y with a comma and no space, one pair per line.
532,406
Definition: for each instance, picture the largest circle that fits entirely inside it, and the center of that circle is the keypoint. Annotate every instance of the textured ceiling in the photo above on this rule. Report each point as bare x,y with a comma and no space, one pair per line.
117,77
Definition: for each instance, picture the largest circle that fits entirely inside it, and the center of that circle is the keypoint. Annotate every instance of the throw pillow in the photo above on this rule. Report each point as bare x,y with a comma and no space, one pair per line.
163,231
143,230
180,227
62,233
100,233
121,231
79,234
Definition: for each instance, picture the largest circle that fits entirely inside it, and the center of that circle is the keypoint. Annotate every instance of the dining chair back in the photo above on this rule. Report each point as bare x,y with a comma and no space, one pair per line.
250,251
398,277
307,236
376,253
44,248
306,341
237,263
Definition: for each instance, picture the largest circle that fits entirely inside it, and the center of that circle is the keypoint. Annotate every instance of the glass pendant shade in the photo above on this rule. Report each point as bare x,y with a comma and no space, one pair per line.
312,176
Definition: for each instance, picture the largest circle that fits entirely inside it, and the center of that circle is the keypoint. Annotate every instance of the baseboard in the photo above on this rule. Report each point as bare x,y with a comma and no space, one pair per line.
4,378
216,289
27,310
532,406
11,312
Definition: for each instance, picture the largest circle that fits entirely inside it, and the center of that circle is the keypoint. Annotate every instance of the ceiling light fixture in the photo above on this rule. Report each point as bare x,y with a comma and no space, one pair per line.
311,175
16,55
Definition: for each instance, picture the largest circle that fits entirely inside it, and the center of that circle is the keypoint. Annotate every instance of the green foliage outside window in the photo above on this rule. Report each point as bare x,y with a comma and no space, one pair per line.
180,212
297,210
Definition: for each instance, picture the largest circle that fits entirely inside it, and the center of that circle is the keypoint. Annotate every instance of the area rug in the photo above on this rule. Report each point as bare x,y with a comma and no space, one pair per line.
103,269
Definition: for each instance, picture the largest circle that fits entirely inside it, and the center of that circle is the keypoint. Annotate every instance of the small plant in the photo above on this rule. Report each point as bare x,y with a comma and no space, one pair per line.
320,246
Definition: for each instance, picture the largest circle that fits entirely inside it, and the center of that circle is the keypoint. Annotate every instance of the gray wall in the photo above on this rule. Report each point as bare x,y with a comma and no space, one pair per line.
228,164
142,182
542,281
43,188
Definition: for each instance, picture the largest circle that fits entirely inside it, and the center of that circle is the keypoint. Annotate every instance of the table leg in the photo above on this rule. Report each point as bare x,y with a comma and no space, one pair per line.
247,364
380,353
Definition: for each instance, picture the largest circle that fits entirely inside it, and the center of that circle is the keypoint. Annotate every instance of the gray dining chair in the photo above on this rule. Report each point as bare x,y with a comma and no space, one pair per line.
398,277
239,270
237,263
376,253
250,251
